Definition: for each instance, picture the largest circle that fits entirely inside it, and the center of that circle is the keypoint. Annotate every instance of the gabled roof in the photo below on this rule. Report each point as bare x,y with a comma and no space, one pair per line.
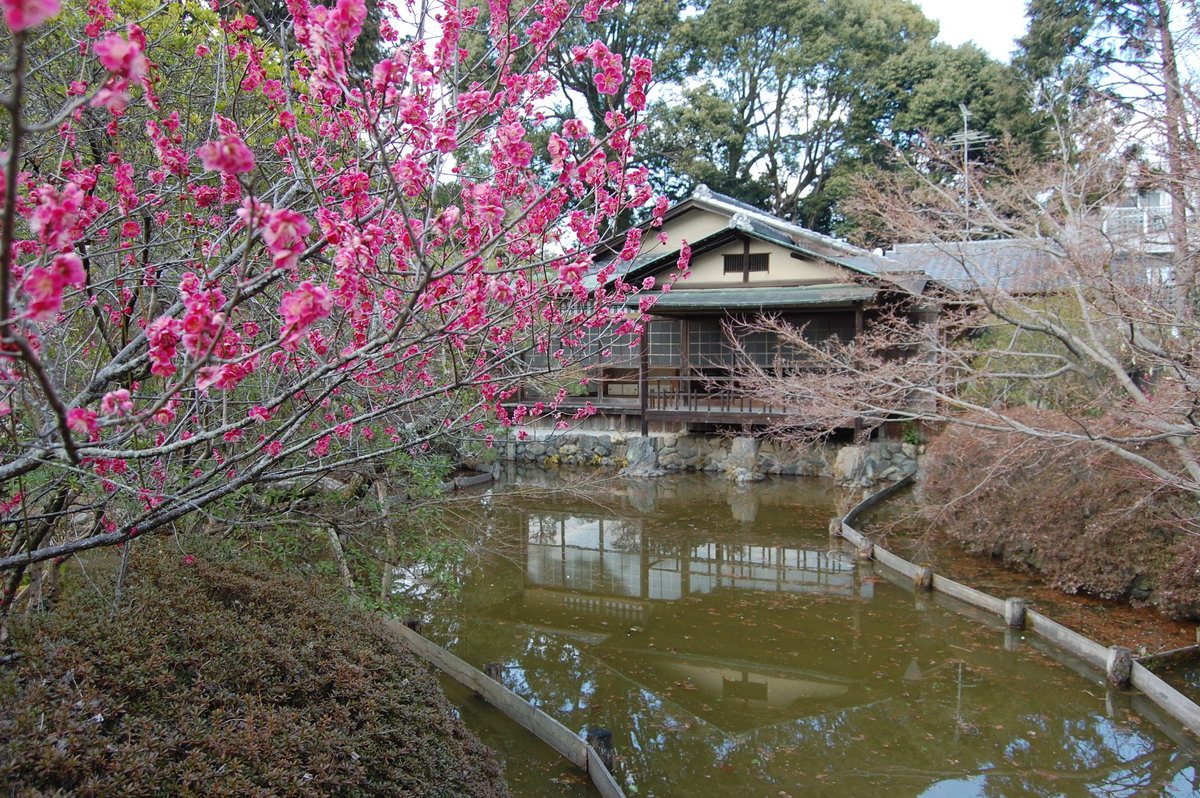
990,265
759,220
745,219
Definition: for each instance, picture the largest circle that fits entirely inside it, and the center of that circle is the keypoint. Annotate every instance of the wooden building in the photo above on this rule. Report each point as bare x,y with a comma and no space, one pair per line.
744,263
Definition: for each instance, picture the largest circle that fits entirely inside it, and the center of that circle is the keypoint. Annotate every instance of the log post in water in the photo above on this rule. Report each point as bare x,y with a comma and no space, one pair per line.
924,577
1014,613
1012,639
601,741
494,670
414,624
1119,666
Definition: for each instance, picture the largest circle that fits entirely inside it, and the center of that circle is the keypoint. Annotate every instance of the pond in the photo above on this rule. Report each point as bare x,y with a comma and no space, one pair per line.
733,649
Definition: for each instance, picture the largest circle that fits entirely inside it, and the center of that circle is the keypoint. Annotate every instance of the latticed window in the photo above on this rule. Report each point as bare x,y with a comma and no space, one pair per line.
665,340
820,327
707,345
758,262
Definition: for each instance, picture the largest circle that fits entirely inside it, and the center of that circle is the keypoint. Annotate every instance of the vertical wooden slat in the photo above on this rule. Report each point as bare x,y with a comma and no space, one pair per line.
644,379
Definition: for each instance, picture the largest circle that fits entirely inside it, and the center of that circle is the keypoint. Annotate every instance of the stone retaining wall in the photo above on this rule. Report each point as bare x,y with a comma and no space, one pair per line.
743,459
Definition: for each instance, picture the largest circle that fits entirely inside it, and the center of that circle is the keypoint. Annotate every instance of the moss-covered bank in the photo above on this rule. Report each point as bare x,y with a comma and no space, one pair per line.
218,677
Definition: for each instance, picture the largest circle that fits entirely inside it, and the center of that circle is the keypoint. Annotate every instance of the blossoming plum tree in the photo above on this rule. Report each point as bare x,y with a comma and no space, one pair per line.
226,261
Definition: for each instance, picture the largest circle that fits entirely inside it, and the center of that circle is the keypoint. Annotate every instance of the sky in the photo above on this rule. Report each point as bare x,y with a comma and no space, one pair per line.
991,24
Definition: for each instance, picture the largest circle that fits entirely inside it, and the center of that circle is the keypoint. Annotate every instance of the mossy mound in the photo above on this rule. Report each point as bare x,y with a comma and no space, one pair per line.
215,677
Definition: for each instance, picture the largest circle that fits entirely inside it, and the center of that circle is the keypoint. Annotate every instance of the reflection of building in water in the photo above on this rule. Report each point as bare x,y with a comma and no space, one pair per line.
612,558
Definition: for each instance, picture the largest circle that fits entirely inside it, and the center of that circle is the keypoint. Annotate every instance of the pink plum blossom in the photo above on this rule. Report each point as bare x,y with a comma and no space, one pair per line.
45,285
121,57
282,230
300,308
116,403
164,335
229,155
81,420
20,15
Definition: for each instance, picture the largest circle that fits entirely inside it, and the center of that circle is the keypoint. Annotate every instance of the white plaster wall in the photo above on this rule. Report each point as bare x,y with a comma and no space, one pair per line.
709,268
691,227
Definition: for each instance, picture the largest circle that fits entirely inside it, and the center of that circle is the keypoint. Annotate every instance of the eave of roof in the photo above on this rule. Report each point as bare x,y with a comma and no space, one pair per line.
716,299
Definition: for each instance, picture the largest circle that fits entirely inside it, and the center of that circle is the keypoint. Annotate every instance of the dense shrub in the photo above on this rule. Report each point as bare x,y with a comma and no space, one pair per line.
1072,513
217,677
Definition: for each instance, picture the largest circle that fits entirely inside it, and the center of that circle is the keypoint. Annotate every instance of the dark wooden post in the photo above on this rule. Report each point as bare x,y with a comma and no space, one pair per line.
858,329
494,670
414,624
685,369
924,578
835,527
644,378
601,742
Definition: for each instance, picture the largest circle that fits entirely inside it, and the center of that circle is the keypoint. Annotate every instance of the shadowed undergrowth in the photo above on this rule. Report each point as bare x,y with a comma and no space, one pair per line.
221,677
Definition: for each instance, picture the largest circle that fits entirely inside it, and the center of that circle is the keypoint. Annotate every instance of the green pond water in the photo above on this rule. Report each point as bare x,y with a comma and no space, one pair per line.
733,649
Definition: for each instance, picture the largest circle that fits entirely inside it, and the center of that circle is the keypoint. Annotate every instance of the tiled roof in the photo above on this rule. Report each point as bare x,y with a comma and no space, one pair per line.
989,265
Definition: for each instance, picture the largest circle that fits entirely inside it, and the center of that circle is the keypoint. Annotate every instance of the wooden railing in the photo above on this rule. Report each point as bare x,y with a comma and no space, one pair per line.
703,394
671,394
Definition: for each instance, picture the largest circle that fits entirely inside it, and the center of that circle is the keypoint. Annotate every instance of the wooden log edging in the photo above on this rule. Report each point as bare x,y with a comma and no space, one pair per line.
877,497
544,727
1175,656
1116,662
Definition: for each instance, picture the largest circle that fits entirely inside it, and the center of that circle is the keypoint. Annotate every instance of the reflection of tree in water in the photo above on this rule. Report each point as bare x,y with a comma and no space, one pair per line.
972,717
833,754
624,536
911,740
544,529
567,695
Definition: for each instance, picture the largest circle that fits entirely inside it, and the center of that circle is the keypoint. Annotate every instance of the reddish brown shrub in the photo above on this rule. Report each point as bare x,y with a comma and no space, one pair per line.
1084,519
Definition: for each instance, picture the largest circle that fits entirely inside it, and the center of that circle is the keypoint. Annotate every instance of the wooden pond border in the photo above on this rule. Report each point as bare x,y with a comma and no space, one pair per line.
544,727
1116,662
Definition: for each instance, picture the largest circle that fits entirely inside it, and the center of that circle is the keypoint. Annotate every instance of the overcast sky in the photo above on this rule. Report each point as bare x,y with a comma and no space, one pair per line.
991,24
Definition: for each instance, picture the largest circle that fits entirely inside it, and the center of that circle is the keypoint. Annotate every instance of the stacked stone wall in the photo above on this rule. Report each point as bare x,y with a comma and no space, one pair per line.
742,459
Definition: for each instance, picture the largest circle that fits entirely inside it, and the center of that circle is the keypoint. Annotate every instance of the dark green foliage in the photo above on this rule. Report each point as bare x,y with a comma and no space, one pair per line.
1057,29
222,678
1092,33
789,100
922,91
